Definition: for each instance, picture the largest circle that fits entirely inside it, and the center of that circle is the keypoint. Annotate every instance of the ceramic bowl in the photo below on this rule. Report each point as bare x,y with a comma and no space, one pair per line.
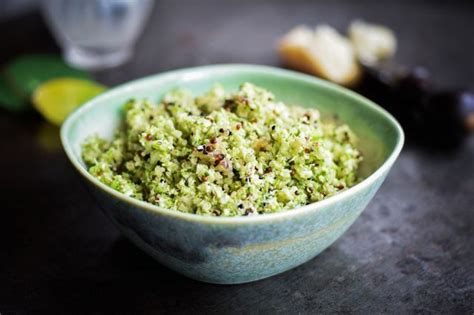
242,249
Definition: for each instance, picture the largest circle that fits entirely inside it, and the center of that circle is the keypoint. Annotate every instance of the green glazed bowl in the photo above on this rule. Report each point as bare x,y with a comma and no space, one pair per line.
241,249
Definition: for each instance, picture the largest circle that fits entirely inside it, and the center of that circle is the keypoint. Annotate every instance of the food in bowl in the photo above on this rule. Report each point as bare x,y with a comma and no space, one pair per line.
240,249
225,154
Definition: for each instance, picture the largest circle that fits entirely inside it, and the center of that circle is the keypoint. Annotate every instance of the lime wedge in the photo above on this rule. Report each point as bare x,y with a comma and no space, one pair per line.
27,72
57,98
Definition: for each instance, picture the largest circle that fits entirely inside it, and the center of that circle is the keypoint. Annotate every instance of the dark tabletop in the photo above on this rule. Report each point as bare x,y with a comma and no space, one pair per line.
411,251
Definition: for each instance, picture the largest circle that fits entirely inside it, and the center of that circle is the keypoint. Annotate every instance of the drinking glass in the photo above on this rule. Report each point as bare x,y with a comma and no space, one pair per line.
96,34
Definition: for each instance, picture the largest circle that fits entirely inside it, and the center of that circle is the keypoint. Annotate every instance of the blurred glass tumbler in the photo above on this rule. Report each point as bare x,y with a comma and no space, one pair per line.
96,34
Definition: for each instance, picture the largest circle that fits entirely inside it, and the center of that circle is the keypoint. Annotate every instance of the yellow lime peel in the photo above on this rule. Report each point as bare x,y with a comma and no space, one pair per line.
57,98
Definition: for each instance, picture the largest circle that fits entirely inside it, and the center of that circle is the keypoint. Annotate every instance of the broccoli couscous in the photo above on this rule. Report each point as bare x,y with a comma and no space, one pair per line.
225,154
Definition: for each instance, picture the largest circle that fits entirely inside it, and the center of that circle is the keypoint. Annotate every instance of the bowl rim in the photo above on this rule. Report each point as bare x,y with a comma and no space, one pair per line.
192,71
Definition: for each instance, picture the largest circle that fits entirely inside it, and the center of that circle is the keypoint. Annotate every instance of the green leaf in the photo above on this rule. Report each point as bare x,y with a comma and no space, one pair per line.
25,73
9,100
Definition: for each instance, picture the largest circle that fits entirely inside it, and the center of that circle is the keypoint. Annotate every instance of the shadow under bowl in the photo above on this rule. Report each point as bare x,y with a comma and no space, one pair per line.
241,249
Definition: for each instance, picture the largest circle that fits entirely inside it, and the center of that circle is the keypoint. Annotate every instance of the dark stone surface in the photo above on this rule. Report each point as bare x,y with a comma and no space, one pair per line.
411,251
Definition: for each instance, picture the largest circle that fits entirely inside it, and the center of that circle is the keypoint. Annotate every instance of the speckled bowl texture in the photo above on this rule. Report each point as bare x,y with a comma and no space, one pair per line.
243,249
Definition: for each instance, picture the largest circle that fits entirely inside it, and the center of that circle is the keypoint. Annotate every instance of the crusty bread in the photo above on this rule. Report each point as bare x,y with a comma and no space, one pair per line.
372,43
322,52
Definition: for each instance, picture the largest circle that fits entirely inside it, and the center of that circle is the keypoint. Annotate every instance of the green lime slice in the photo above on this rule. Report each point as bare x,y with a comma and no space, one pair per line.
9,100
57,98
27,72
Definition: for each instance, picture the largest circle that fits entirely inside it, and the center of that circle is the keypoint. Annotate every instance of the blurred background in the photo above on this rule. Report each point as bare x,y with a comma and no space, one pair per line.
183,33
410,252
